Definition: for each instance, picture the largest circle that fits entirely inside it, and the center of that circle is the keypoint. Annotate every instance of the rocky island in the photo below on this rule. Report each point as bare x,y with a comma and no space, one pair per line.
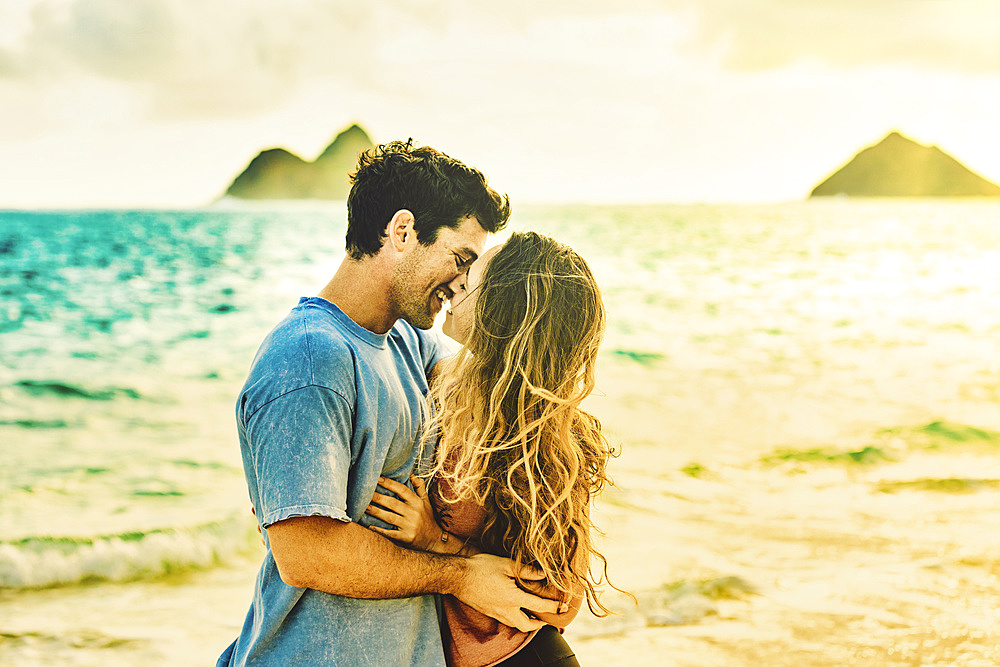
279,174
900,167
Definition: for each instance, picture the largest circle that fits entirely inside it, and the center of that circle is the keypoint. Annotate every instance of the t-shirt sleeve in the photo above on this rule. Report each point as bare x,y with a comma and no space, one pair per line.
435,347
301,448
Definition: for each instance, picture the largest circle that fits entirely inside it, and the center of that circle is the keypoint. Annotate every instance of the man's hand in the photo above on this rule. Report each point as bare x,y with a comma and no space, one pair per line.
489,586
547,590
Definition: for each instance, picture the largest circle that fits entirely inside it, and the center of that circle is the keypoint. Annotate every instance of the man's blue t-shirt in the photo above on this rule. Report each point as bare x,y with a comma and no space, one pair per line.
328,407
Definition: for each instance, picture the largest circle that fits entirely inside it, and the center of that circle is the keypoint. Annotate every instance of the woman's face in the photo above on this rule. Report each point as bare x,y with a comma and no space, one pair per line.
461,313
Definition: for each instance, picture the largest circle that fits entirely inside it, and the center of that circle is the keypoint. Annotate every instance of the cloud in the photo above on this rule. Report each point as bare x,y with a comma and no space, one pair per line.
198,58
8,66
955,35
168,60
203,58
221,58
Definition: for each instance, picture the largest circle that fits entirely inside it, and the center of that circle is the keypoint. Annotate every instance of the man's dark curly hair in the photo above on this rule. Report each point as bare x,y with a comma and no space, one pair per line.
438,190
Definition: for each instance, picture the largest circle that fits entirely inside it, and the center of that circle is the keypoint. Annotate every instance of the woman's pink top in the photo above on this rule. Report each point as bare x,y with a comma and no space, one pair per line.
471,639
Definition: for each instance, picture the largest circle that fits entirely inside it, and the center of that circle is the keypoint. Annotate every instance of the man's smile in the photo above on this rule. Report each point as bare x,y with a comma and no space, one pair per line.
443,295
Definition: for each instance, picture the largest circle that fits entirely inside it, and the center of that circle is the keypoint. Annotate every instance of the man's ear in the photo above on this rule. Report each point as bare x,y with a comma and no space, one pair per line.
400,232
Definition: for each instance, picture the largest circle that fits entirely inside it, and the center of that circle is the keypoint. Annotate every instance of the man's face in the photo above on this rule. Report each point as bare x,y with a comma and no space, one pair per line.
420,281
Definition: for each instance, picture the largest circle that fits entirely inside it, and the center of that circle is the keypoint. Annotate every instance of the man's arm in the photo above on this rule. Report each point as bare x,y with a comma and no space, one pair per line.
350,560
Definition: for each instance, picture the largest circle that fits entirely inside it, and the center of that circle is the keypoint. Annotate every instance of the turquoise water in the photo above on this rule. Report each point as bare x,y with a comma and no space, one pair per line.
124,339
125,335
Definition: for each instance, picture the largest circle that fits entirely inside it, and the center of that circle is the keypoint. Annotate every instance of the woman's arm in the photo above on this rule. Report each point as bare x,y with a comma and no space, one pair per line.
413,516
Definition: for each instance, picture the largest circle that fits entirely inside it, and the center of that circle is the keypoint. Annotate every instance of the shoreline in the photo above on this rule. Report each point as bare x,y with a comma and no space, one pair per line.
795,562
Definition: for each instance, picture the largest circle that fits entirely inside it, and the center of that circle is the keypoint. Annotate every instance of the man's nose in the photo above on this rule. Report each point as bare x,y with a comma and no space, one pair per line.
455,286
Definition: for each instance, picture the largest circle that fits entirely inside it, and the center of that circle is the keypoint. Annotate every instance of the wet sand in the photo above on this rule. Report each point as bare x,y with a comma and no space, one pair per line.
876,546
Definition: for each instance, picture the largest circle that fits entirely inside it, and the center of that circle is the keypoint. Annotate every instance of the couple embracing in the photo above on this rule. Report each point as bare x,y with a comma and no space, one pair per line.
419,507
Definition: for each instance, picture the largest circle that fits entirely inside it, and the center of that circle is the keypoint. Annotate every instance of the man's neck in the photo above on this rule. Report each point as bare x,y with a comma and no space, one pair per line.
360,288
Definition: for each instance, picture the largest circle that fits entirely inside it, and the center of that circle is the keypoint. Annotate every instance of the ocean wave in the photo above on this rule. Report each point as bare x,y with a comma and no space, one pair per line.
890,445
40,562
685,602
36,423
644,358
51,387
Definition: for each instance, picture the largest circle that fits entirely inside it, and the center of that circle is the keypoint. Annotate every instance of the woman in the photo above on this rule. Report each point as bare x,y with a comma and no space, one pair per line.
517,462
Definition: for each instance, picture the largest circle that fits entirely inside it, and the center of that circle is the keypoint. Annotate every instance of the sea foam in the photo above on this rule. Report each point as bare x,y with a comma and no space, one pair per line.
38,562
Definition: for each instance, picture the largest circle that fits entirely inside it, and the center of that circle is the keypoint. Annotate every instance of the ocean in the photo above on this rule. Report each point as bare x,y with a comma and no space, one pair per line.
806,397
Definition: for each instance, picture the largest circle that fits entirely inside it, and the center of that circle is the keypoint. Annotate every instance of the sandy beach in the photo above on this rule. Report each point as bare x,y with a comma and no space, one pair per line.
879,550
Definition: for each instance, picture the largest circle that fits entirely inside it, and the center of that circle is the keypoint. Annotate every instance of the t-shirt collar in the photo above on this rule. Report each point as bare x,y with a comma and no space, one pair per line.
352,327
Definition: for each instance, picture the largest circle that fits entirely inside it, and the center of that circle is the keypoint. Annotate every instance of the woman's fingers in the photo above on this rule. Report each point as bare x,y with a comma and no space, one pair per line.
419,485
399,536
390,518
389,503
525,624
528,572
400,490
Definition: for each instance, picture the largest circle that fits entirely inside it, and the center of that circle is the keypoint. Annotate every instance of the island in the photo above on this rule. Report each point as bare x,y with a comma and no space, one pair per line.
279,174
900,167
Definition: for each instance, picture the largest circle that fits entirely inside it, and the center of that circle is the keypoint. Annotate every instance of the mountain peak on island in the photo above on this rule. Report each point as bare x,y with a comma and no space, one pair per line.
898,166
276,173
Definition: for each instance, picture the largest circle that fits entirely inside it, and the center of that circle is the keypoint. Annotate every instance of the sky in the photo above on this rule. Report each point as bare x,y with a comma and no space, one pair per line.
161,103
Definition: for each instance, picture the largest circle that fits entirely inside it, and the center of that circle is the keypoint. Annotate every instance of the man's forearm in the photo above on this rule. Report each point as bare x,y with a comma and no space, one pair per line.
350,560
451,544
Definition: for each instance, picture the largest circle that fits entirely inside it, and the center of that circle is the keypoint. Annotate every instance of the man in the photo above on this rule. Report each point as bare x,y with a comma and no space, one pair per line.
335,399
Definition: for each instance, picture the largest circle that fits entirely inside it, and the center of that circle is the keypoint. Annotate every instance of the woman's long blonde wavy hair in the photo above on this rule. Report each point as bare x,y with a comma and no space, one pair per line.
511,434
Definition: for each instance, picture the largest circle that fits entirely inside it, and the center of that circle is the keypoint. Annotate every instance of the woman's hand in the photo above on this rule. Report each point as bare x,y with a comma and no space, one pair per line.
411,513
